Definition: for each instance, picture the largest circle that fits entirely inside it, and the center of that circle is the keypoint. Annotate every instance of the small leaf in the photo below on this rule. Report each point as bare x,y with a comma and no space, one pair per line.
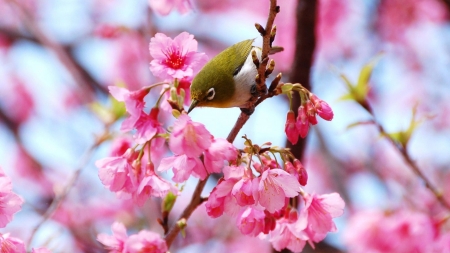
169,202
286,88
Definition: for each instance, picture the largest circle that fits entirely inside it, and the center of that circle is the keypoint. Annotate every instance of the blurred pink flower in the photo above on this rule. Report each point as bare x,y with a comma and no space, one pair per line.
175,58
120,145
11,244
114,243
290,128
40,250
11,203
319,212
164,7
20,102
145,241
183,166
189,138
274,186
134,104
219,151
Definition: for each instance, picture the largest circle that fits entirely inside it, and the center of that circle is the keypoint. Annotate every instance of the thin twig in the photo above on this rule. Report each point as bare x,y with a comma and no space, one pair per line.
196,199
60,198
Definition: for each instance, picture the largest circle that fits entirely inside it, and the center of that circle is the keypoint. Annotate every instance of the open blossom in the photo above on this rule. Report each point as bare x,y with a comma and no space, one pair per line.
134,104
183,166
175,58
145,241
273,187
219,151
164,7
188,137
289,234
147,126
10,202
115,242
153,185
117,173
252,221
319,212
10,244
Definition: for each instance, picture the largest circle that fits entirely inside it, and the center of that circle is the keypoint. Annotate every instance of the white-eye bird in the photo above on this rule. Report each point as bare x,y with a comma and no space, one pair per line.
228,80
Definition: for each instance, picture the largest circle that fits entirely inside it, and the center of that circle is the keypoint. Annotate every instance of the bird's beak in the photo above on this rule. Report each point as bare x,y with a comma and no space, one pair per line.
193,105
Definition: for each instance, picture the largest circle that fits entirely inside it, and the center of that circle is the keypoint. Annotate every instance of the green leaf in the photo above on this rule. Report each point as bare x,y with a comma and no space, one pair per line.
286,88
118,109
169,202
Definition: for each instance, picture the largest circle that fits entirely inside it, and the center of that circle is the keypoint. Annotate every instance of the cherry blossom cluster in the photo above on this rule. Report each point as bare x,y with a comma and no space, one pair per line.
310,106
257,193
255,189
11,203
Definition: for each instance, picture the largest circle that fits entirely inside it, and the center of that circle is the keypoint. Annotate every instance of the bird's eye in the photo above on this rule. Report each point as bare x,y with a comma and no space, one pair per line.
211,93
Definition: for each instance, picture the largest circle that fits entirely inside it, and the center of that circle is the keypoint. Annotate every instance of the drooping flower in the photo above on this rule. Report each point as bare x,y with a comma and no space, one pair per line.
116,173
10,202
323,109
219,151
302,121
290,128
183,166
145,241
134,104
319,212
153,185
115,242
252,221
175,58
148,126
273,187
164,7
10,244
189,138
288,234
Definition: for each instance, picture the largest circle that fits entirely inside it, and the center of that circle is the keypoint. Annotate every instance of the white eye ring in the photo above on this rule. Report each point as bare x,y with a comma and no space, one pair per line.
211,93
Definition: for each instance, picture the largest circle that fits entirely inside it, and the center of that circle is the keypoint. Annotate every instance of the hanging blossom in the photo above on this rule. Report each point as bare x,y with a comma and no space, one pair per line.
177,58
11,203
119,241
164,7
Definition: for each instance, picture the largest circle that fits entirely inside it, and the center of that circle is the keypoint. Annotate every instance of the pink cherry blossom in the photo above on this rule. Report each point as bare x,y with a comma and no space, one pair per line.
302,121
189,138
11,203
290,128
21,100
175,58
145,241
134,104
273,187
164,7
120,145
183,166
147,127
219,151
311,112
288,234
298,171
319,212
322,108
10,244
243,187
40,250
252,221
115,242
117,173
153,185
221,200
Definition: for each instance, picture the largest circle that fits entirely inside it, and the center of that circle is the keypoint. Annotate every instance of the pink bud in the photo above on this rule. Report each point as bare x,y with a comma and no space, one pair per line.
302,173
302,121
311,113
322,108
290,128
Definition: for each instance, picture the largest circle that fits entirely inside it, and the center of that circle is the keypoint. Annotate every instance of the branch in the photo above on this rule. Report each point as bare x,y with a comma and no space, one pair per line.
196,199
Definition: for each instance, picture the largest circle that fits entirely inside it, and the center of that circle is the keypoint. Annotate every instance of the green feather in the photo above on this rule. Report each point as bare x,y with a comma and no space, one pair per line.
218,74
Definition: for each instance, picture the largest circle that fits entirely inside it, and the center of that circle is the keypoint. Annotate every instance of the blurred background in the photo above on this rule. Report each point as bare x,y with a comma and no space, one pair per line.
57,57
